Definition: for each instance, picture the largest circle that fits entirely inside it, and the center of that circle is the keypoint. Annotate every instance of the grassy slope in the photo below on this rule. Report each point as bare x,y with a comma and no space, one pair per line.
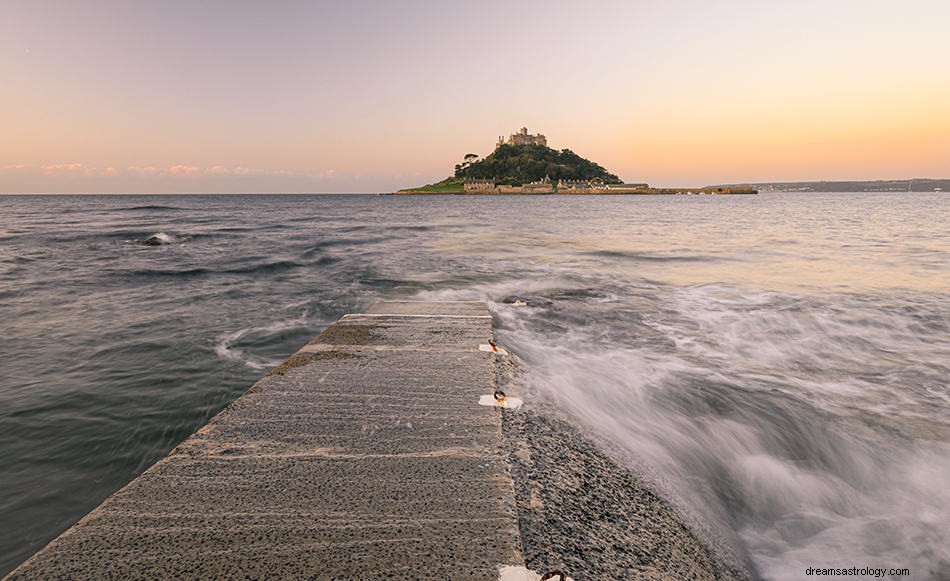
446,186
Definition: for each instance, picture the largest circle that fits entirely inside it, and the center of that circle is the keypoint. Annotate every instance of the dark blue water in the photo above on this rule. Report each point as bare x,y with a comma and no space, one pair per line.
778,362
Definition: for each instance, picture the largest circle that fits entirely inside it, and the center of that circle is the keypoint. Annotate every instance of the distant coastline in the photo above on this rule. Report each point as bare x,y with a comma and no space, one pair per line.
907,185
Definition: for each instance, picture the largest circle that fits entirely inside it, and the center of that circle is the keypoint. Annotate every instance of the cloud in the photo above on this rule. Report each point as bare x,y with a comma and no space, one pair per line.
57,168
251,171
147,170
177,171
188,170
179,178
183,170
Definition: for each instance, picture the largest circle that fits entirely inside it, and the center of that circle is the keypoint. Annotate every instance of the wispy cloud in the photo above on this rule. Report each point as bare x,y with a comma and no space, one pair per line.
182,177
57,168
179,170
186,170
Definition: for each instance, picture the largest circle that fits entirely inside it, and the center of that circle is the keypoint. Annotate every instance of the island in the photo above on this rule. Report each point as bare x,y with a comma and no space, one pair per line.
524,164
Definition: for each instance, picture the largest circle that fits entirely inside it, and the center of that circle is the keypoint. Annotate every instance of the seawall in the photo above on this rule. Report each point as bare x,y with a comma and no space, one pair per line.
523,191
368,455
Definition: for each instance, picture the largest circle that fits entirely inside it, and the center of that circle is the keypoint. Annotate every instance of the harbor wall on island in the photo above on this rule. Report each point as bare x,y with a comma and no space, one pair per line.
611,191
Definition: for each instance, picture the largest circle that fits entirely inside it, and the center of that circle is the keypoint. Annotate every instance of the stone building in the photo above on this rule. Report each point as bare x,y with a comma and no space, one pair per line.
478,185
522,138
539,187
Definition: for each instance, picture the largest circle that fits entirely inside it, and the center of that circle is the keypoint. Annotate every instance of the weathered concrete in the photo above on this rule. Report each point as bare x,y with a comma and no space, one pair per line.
364,456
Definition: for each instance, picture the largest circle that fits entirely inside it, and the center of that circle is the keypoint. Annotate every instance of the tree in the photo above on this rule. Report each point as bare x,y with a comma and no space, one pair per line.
467,162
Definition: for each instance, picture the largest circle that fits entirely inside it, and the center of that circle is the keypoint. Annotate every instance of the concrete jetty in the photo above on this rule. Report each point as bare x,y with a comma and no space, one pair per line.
368,455
365,455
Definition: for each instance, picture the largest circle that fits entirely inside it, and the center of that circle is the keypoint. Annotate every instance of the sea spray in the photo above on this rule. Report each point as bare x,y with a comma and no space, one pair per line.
770,414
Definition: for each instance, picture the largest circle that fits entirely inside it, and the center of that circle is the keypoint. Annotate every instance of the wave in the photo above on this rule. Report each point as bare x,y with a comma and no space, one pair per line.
325,261
643,257
149,207
236,229
797,427
262,268
325,244
123,235
241,345
185,272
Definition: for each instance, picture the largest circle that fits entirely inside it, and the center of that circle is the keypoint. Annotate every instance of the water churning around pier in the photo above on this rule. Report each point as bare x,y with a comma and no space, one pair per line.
778,363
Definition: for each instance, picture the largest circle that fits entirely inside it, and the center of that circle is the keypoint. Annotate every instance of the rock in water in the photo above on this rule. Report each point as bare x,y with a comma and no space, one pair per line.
157,239
531,301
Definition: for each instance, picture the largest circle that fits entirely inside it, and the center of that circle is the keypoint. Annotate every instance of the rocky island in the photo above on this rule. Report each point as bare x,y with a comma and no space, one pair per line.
524,164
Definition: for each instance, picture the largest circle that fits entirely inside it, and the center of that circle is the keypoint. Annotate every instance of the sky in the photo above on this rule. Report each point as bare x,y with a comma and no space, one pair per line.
370,96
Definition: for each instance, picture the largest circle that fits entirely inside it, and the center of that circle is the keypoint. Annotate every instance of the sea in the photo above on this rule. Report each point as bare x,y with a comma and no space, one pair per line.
778,364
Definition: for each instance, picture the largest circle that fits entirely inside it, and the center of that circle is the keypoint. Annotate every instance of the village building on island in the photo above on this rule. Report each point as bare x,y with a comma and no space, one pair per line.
471,185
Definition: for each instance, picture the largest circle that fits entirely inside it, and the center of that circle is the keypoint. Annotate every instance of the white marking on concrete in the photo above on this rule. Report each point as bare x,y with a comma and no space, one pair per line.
442,302
512,573
417,316
490,349
511,403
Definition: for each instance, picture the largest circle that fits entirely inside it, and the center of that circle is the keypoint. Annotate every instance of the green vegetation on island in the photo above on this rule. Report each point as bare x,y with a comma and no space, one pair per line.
524,164
514,165
450,185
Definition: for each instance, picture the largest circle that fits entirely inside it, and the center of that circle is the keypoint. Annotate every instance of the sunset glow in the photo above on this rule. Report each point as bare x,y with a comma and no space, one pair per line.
325,97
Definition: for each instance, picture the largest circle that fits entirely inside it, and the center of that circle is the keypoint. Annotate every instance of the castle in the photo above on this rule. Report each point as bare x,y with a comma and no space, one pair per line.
522,138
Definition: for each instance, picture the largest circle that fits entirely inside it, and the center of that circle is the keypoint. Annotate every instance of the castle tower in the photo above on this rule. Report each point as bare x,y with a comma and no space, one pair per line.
522,137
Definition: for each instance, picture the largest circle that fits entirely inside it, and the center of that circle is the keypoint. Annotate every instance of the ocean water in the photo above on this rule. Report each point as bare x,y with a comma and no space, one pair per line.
778,363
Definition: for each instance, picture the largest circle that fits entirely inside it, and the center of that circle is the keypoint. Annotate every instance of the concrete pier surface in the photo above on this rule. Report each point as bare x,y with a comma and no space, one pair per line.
364,456
367,455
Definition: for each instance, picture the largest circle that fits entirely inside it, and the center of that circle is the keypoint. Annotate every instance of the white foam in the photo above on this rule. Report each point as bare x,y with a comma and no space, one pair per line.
794,399
226,347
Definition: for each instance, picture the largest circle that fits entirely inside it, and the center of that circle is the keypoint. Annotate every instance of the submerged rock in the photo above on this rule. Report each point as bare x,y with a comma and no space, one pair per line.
527,300
157,239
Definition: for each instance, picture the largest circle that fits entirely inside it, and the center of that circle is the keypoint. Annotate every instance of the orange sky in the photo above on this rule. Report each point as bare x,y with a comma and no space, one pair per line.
320,97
